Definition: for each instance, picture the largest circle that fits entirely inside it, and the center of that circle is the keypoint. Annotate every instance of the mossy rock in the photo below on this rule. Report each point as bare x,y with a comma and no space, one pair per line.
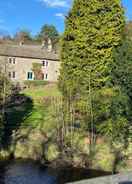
52,152
29,150
30,147
21,151
4,154
104,158
29,144
78,160
78,142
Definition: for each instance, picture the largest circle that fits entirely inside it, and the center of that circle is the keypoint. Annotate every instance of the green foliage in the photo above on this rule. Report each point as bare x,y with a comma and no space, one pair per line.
37,69
23,35
104,158
48,32
111,111
93,30
121,73
52,152
5,92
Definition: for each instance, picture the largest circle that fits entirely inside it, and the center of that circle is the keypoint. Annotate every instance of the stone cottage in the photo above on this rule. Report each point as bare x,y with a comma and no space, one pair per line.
18,60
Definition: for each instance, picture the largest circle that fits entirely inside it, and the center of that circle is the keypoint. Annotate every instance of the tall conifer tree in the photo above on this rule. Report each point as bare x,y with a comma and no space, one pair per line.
93,29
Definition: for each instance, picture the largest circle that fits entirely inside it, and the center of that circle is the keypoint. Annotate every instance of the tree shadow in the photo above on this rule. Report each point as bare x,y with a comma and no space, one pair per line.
18,108
69,175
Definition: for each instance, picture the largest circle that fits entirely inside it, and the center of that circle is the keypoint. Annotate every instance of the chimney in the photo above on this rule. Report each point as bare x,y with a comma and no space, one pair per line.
49,45
21,43
43,44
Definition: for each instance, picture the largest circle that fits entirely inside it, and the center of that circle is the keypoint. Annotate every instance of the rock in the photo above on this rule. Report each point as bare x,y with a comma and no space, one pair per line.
29,144
52,152
4,154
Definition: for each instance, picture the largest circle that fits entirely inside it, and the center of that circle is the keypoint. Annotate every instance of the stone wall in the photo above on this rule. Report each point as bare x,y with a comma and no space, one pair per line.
125,178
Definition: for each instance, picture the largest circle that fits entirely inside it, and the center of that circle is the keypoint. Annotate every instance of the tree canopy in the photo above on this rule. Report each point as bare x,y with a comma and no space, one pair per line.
128,30
93,30
48,32
23,35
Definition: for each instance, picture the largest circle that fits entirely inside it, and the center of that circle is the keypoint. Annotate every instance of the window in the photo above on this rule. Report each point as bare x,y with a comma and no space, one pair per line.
13,75
9,74
12,60
46,76
45,63
30,76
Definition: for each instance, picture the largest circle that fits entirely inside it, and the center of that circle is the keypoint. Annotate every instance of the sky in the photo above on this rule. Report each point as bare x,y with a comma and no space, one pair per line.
32,14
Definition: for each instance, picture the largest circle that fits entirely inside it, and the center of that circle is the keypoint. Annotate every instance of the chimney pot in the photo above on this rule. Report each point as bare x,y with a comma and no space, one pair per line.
49,45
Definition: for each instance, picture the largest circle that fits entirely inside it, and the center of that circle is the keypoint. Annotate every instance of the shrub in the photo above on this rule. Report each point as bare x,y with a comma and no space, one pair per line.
35,83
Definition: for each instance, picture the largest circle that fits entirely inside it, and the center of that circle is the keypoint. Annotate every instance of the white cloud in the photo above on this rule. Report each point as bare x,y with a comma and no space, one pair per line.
60,15
56,3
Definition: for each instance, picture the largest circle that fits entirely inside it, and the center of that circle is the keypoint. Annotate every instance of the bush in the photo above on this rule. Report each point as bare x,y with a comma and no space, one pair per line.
35,83
104,158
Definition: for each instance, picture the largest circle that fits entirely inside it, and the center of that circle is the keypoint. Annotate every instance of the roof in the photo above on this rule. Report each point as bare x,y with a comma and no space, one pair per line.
28,51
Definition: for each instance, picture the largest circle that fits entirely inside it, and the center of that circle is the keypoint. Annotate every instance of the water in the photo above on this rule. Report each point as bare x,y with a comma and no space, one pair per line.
27,172
23,172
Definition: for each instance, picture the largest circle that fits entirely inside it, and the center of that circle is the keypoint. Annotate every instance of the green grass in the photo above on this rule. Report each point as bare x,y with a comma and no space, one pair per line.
36,93
40,112
34,112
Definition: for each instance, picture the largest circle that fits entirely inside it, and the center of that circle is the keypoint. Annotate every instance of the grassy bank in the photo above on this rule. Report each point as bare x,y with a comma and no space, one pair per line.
40,110
30,124
32,132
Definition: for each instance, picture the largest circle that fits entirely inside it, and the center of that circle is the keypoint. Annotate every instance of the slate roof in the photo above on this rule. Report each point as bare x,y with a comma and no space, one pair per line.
28,51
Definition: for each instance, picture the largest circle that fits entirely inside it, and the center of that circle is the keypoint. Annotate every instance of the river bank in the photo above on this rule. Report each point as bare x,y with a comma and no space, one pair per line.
33,131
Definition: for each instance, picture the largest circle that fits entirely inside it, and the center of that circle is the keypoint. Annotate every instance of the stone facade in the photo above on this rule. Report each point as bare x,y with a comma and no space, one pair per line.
19,63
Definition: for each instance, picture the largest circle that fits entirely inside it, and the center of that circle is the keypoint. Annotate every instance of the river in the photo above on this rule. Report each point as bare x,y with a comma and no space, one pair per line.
27,172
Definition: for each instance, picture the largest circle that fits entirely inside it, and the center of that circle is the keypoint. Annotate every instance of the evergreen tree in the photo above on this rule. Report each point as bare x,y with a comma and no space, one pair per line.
122,68
93,30
5,92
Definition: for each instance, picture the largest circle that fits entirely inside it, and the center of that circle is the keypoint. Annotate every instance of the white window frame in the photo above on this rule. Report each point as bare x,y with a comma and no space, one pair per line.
32,75
12,60
45,63
13,75
46,76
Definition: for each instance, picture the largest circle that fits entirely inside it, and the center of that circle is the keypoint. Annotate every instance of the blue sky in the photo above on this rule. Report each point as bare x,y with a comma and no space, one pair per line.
32,14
